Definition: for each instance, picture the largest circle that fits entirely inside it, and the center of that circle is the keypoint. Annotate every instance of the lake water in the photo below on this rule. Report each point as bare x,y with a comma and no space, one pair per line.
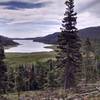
28,46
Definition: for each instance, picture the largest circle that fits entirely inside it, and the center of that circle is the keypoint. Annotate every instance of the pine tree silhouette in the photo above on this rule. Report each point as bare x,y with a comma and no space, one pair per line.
3,70
69,44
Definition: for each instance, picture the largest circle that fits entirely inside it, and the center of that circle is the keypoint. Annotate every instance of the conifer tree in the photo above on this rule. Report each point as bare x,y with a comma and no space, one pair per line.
69,44
19,81
3,69
89,61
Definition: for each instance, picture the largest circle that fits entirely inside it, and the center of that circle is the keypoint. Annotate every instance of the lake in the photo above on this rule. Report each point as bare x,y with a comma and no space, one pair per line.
28,46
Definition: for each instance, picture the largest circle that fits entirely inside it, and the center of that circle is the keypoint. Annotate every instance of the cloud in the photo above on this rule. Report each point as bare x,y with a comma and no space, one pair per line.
26,18
95,10
16,5
85,5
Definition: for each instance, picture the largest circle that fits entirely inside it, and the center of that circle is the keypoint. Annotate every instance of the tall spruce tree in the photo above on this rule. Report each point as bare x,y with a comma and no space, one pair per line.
69,56
3,70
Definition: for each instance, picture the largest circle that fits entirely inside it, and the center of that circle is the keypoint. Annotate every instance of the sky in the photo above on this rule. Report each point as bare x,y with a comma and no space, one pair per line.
34,18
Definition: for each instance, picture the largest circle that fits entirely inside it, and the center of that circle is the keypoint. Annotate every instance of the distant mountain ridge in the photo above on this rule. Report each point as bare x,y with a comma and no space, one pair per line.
7,41
91,32
22,38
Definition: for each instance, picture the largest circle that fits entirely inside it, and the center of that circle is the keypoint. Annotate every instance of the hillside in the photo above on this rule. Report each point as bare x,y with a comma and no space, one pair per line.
49,39
91,32
7,41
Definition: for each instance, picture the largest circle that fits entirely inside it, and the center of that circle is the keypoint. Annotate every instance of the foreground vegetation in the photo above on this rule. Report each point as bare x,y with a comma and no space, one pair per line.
14,59
58,94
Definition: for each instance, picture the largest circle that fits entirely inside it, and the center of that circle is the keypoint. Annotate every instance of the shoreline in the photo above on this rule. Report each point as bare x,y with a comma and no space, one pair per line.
11,46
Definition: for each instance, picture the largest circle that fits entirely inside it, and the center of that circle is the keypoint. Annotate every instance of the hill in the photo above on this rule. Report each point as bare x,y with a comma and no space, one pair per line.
7,41
91,32
49,39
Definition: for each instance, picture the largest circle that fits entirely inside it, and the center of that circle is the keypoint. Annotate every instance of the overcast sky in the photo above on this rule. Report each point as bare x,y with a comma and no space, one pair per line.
32,18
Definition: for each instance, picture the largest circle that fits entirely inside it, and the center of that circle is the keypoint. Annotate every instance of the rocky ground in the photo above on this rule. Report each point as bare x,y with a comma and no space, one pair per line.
85,92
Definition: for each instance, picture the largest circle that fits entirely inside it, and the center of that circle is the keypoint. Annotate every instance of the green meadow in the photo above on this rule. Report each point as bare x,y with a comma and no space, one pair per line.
15,59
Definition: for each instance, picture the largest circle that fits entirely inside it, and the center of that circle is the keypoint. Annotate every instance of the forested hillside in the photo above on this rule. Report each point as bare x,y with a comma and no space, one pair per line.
7,41
91,32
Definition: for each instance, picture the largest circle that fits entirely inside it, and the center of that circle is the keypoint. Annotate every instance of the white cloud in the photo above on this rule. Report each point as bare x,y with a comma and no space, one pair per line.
36,22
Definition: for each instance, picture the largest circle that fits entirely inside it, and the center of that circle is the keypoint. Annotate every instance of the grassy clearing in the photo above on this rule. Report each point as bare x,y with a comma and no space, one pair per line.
14,59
